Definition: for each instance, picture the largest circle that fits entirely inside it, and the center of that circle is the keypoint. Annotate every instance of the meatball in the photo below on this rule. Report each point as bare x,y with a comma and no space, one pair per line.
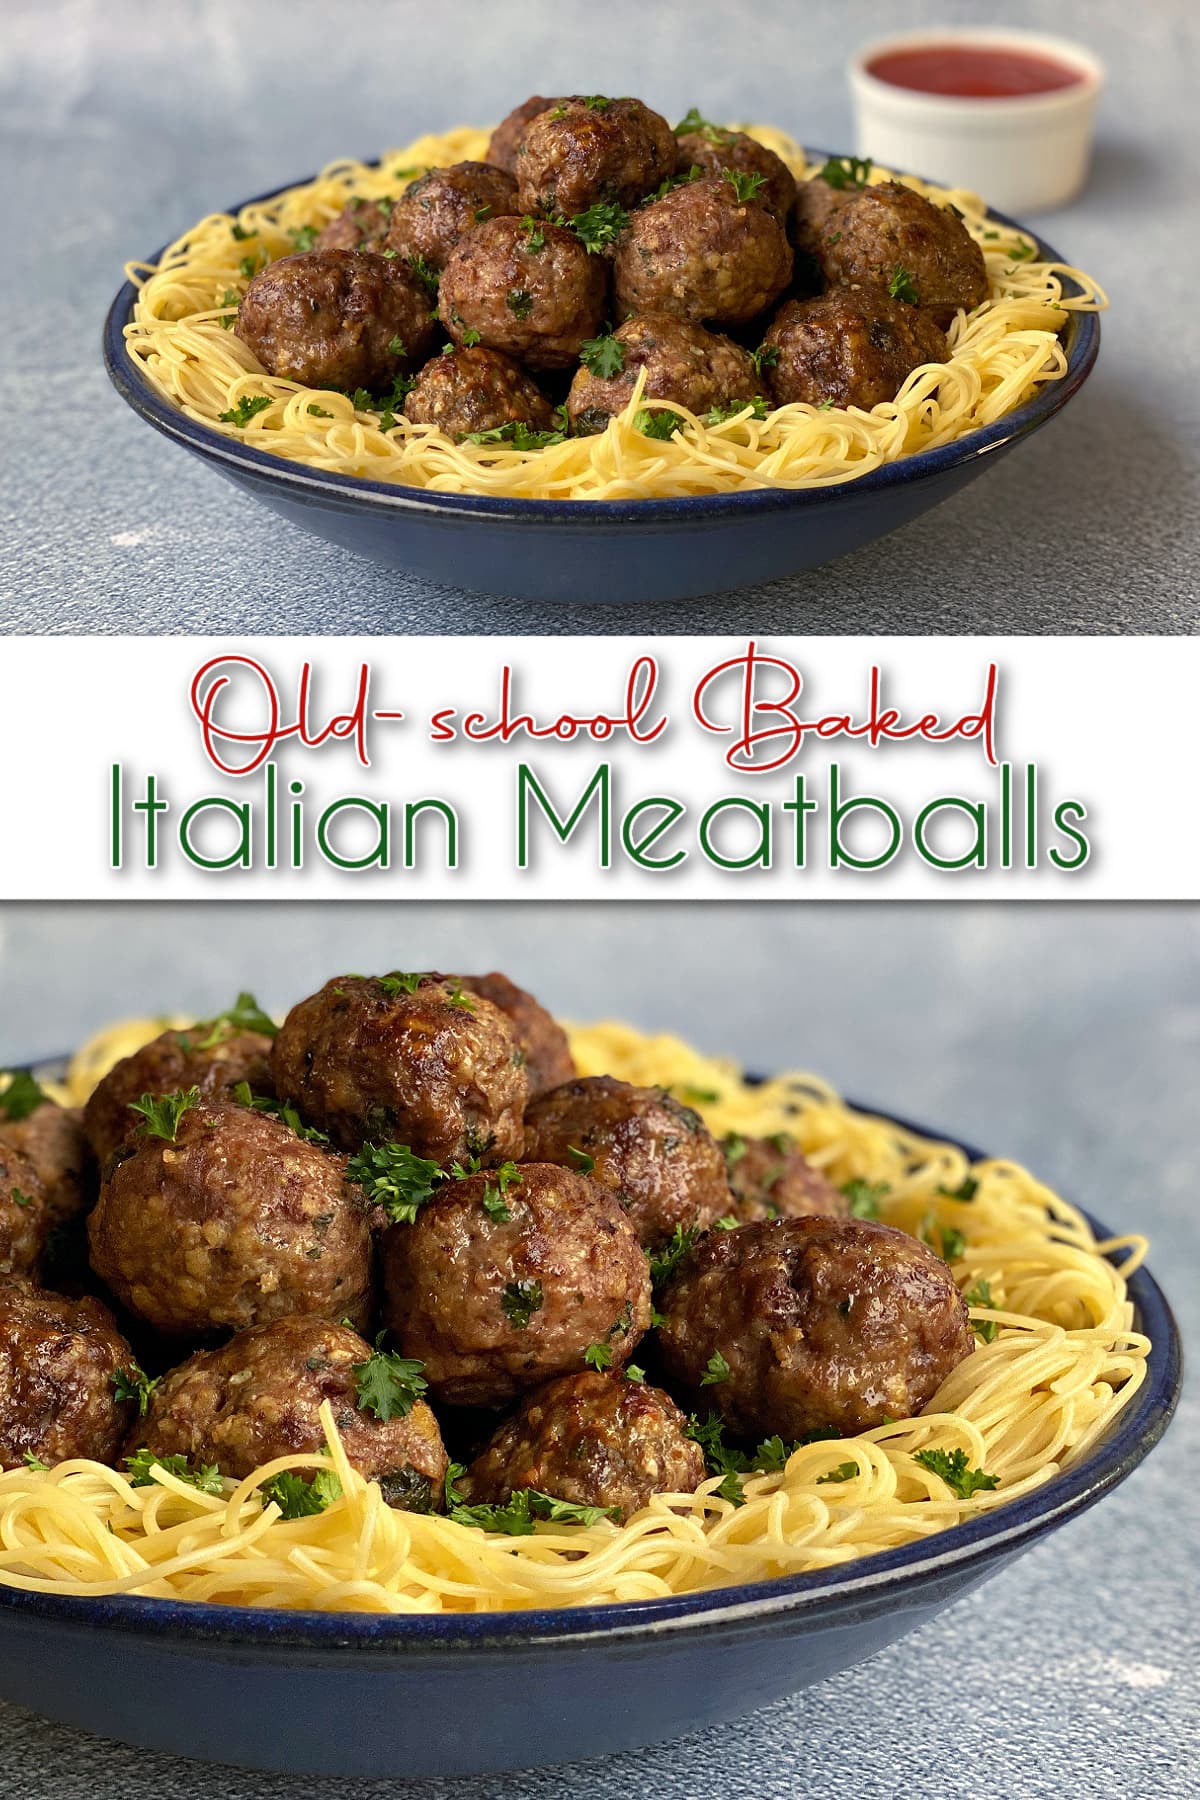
702,253
815,204
713,151
58,1358
25,1213
361,225
586,150
504,147
463,391
683,362
642,1144
259,1396
436,211
405,1058
770,1179
596,1440
234,1221
530,290
201,1057
337,319
53,1139
548,1059
823,1324
852,346
502,1283
885,236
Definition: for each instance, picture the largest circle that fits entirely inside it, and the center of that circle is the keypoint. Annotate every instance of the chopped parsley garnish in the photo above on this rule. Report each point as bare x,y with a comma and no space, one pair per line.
519,302
945,1239
734,1147
659,424
134,1384
240,233
727,1223
397,983
161,1114
245,410
765,357
20,1199
720,1458
845,171
901,285
596,102
535,234
516,1517
482,213
730,1488
22,1096
517,433
745,185
389,1385
598,1356
1022,252
601,225
664,1262
395,1177
405,174
757,409
230,301
303,237
453,1493
35,1463
954,1470
206,1477
319,412
498,1183
470,337
953,1243
297,1498
981,1295
669,183
844,1472
362,401
250,265
864,1197
519,1301
244,1015
967,1189
425,273
602,356
632,1372
716,1370
694,1096
693,122
458,996
580,1160
397,347
279,1109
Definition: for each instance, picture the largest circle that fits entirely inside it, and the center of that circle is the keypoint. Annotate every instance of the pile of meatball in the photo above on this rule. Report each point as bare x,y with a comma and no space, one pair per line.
238,1256
528,292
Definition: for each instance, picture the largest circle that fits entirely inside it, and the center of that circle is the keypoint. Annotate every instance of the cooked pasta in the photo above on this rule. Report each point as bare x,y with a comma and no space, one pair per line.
179,337
1058,1361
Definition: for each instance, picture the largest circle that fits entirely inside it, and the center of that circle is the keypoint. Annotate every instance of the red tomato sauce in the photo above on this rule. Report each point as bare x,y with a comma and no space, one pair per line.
972,71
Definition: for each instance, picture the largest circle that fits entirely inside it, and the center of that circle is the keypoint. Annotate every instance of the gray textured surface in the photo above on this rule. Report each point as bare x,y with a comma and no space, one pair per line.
1068,1037
122,123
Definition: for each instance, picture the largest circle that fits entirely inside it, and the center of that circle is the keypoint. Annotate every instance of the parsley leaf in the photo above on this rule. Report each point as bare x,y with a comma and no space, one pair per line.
602,356
731,1489
844,1472
693,122
20,1199
244,1015
517,433
206,1477
161,1115
632,1372
598,1356
716,1370
765,357
535,235
397,346
303,237
297,1498
953,1468
757,408
389,1385
659,424
279,1109
744,184
967,1189
245,410
601,225
35,1463
230,301
425,273
664,1262
396,1178
519,1301
519,302
134,1384
864,1197
981,1295
902,286
397,983
580,1160
450,1488
1021,252
845,171
22,1096
498,1183
516,1517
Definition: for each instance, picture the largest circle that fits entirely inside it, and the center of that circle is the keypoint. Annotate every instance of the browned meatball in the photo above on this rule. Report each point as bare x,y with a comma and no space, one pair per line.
361,225
685,363
890,237
203,1057
713,151
770,1179
436,211
53,1139
235,1221
596,1440
851,346
586,150
643,1145
812,1325
504,145
337,319
259,1396
58,1358
548,1059
815,203
409,1059
702,253
477,389
530,290
25,1213
501,1283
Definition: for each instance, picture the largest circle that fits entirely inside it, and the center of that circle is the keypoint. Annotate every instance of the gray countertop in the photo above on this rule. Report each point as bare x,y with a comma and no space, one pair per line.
1068,1037
124,123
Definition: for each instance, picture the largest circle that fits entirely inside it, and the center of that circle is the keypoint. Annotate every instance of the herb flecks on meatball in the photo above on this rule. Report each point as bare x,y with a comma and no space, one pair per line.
463,392
707,251
504,1281
684,363
891,237
591,150
594,1440
206,1057
504,146
59,1388
25,1213
525,287
361,225
53,1139
712,149
405,1058
437,211
344,319
771,1179
812,1324
542,1040
849,347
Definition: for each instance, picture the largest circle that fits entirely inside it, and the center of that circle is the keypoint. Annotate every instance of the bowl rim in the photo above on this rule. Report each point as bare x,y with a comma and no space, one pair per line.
1080,338
881,1581
1083,63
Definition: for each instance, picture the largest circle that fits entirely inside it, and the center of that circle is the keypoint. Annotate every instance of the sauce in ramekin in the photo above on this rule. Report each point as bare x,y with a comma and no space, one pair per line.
973,71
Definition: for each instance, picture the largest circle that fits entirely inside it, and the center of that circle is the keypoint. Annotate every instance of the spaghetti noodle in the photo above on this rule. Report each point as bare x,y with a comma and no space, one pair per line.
1061,1361
179,337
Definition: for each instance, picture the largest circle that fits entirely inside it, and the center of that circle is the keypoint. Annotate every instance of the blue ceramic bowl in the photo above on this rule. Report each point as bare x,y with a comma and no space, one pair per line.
356,1695
604,551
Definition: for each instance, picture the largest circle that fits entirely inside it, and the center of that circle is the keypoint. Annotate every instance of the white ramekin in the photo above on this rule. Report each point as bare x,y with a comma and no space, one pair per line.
1025,153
